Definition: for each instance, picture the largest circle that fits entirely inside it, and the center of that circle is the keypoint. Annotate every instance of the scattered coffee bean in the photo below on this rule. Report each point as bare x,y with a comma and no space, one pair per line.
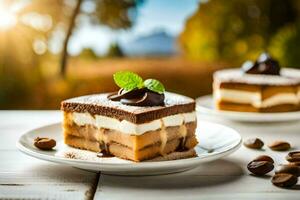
293,156
280,146
284,180
254,143
264,158
288,169
44,143
260,168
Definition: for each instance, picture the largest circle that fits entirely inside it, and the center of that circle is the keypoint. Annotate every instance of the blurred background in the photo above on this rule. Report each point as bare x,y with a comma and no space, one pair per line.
51,50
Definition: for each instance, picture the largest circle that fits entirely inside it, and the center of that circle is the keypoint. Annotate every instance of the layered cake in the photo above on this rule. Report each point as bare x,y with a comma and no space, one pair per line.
260,86
138,123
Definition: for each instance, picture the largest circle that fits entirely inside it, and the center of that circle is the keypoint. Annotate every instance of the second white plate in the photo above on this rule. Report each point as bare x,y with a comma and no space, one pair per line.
205,106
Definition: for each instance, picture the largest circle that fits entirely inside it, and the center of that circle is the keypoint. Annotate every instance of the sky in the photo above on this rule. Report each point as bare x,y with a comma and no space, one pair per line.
153,15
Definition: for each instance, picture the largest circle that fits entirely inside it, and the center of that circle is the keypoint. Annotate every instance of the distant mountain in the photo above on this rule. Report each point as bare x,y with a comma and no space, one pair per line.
155,44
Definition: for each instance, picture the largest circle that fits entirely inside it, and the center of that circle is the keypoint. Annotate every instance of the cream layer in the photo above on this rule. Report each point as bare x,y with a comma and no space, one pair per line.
255,98
127,127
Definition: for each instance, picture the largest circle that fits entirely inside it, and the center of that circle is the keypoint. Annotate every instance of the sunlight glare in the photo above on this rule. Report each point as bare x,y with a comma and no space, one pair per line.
8,18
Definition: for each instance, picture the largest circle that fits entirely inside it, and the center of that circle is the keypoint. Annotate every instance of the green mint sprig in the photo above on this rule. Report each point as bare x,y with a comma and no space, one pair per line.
154,85
130,81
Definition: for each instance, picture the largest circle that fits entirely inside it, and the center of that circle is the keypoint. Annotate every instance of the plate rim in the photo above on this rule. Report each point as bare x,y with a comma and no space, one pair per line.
261,117
55,159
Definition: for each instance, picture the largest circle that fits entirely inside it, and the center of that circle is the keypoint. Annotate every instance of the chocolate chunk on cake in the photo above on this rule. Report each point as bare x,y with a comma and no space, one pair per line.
258,87
138,125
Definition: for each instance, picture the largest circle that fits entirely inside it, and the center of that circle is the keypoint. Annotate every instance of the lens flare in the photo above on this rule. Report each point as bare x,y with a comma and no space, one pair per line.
8,18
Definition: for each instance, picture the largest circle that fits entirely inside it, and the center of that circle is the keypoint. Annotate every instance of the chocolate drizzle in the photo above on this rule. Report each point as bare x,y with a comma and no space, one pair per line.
104,150
138,97
104,154
181,147
265,64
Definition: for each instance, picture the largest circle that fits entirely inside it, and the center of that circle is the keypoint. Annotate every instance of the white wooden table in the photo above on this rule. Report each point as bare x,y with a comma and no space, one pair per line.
25,177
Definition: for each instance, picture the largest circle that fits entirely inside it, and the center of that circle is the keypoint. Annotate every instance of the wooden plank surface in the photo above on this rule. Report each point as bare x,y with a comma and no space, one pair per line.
227,178
23,177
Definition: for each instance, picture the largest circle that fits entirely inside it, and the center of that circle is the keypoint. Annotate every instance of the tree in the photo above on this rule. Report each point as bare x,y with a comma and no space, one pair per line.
70,28
114,50
235,30
117,14
88,53
30,24
285,45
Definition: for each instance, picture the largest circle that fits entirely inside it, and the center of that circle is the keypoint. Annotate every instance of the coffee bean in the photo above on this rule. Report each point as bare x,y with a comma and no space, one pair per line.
284,180
44,143
288,169
280,146
254,143
293,156
264,158
260,168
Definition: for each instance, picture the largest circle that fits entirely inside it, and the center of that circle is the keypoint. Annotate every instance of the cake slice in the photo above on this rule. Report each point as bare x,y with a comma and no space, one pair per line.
137,125
135,133
262,87
251,93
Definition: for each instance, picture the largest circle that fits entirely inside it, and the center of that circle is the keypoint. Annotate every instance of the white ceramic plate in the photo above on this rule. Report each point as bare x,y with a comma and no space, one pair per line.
215,141
205,106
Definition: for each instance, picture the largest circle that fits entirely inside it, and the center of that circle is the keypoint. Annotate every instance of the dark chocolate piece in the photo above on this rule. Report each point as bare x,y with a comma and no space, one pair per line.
265,64
99,104
138,97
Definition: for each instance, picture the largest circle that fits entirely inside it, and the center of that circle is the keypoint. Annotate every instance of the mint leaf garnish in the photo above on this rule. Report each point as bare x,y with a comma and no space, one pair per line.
128,80
154,85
